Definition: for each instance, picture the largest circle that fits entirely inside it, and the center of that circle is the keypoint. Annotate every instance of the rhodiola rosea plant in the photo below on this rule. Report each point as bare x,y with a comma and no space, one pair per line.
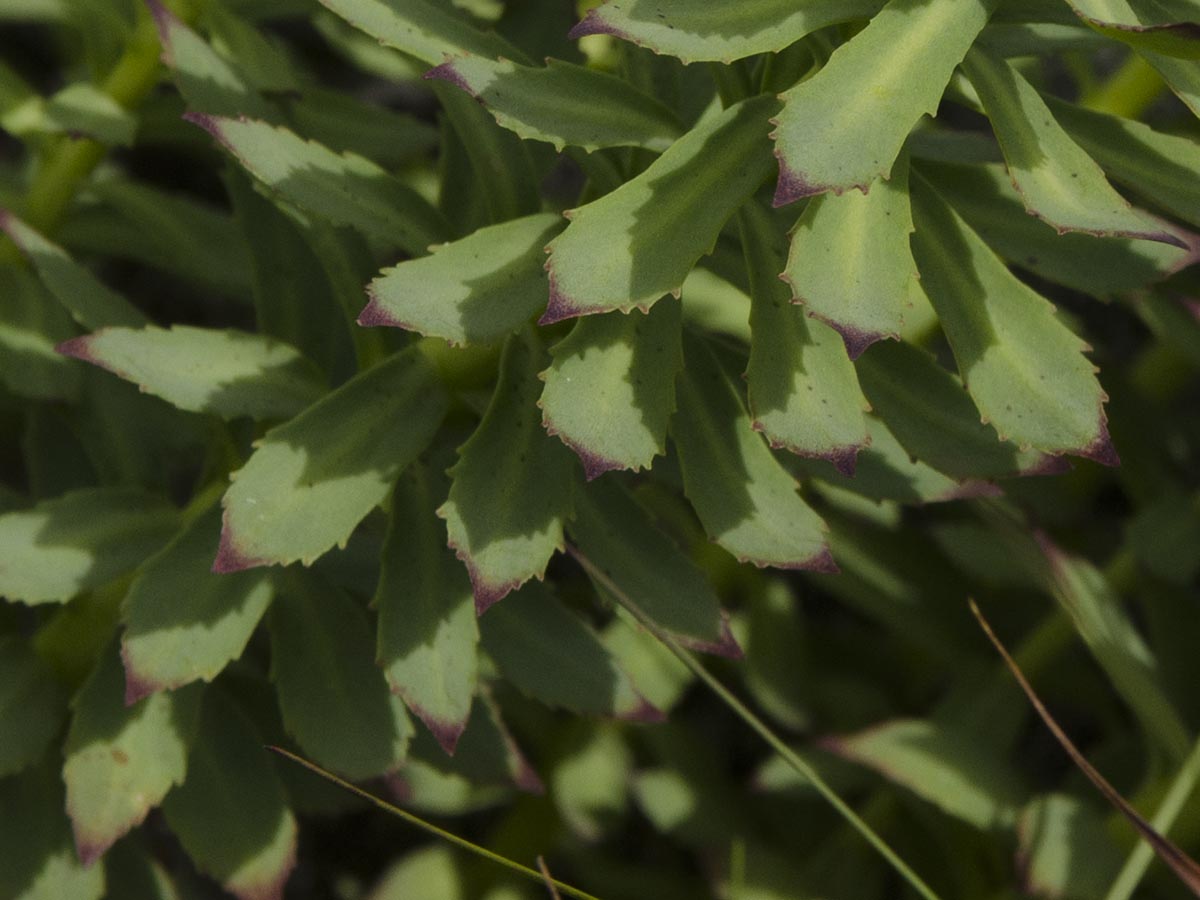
395,381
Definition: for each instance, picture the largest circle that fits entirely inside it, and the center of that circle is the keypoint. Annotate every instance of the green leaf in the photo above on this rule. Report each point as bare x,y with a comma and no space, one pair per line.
32,705
345,124
563,104
78,110
512,485
1025,370
314,478
962,776
229,373
31,324
90,302
476,289
121,760
432,873
844,127
335,702
1058,181
746,500
265,61
1164,168
421,29
546,652
1171,27
627,249
1067,848
183,622
801,386
131,870
63,547
427,628
617,536
344,188
930,413
1163,535
37,861
230,814
850,263
1182,77
697,30
590,784
610,390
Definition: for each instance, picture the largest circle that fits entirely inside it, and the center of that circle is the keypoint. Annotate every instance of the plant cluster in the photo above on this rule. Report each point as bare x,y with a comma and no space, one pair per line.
425,386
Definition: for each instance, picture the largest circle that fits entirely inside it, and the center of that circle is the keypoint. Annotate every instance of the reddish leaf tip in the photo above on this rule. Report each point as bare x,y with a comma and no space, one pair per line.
844,459
164,19
445,733
645,713
89,851
374,314
447,72
526,779
136,687
793,186
488,595
973,489
594,465
230,557
559,306
822,561
591,24
1048,465
78,347
1101,450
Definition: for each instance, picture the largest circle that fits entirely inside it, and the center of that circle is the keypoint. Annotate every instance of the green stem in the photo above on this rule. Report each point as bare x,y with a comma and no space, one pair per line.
764,731
1143,854
448,836
1129,92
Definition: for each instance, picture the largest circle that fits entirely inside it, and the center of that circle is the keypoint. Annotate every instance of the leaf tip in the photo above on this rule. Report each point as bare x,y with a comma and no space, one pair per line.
374,315
844,459
230,557
137,687
644,713
447,72
559,306
444,732
592,24
1101,450
793,186
78,348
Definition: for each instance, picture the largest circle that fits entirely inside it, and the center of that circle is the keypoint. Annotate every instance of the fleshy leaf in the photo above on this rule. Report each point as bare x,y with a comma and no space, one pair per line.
421,29
37,861
427,626
182,621
121,760
89,301
335,701
844,127
476,289
1171,27
563,104
610,390
229,373
312,479
746,500
801,385
1058,181
512,485
616,535
699,30
627,249
1024,368
32,705
65,546
850,262
546,652
930,413
966,778
344,188
230,814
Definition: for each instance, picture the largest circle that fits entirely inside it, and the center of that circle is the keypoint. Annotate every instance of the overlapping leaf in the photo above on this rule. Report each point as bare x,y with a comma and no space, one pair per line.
844,127
311,480
1171,27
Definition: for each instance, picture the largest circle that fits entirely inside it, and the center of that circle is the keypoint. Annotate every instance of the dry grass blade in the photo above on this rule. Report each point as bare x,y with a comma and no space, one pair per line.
1180,863
545,870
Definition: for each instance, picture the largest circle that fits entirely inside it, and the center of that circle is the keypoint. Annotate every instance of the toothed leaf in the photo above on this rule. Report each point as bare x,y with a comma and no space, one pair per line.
1171,27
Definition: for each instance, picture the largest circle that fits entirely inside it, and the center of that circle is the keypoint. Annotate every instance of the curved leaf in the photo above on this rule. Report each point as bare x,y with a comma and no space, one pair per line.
1171,27
314,478
844,127
610,390
627,249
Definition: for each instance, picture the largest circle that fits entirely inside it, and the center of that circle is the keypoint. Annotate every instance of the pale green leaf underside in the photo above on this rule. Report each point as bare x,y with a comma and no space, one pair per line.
420,28
844,127
427,626
617,535
89,301
228,373
850,263
700,30
610,390
745,499
121,760
627,249
79,541
230,814
801,386
1023,367
476,289
512,484
1058,181
1171,27
335,701
965,778
548,653
564,104
344,188
32,705
311,480
183,622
